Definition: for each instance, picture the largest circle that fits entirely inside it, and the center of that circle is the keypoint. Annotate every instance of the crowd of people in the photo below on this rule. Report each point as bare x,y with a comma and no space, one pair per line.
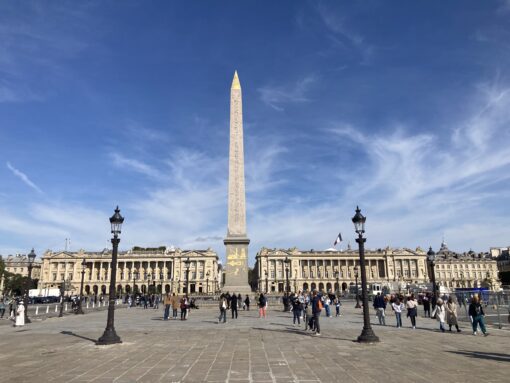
444,310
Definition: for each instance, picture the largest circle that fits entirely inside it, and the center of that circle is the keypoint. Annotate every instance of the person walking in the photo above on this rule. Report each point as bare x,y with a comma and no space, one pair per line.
327,302
337,306
20,315
247,303
223,309
308,316
440,313
296,310
183,308
426,305
2,308
451,314
398,307
412,310
316,312
175,302
233,305
262,306
167,302
380,307
477,315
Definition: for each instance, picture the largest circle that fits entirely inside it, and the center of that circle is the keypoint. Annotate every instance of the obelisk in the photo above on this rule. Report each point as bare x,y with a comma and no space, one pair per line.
236,242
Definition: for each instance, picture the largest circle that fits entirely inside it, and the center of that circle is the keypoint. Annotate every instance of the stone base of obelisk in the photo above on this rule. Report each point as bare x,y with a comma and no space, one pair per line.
236,271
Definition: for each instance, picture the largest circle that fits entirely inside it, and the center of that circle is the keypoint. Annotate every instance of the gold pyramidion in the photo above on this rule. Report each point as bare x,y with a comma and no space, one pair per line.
235,82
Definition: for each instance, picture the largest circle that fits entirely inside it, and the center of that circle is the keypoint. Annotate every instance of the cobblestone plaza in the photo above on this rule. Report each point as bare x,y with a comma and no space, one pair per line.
248,349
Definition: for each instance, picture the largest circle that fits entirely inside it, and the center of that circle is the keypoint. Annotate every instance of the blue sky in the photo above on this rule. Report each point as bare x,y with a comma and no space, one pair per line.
402,108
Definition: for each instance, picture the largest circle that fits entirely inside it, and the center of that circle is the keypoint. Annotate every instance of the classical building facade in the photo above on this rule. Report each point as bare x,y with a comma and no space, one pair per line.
18,264
336,270
465,270
139,269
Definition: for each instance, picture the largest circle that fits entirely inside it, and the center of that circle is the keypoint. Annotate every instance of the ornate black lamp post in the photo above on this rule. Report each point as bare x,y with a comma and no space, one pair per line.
337,282
186,264
161,276
83,267
367,334
431,258
63,288
267,282
135,277
109,335
287,285
207,283
31,257
358,306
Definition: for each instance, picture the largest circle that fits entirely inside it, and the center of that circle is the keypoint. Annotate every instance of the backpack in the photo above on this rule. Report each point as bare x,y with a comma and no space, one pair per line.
319,304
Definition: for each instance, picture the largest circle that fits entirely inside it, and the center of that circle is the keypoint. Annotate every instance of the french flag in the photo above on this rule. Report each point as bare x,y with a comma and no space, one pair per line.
338,239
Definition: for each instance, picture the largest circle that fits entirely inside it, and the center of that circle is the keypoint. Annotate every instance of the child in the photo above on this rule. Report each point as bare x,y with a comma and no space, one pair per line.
337,306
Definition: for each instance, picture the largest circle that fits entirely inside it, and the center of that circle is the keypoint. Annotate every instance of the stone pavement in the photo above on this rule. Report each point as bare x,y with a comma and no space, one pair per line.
248,349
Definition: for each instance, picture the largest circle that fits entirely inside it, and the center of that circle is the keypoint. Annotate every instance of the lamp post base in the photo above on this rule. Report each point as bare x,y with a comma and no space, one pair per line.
367,336
358,306
109,337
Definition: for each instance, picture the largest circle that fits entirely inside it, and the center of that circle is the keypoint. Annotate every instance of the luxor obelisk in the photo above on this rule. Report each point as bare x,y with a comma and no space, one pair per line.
236,242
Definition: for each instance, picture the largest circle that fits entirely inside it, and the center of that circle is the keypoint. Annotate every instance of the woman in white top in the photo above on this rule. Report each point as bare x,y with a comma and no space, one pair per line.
398,307
440,313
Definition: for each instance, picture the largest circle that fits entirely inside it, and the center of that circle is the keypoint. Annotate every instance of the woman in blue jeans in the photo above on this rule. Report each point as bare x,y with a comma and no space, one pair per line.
477,314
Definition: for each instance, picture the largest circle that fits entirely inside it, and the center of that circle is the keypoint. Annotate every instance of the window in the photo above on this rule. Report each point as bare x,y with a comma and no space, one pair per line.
311,273
272,274
406,273
201,275
54,276
413,273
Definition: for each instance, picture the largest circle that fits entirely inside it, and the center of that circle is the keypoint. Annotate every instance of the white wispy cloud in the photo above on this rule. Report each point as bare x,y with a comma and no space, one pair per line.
342,36
277,96
135,165
23,177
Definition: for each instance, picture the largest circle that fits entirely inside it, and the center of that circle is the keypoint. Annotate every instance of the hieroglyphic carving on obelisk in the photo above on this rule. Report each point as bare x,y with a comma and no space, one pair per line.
236,242
236,193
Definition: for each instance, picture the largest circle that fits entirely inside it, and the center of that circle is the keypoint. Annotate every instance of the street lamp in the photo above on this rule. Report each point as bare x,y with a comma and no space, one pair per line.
110,336
207,283
367,334
161,276
83,267
431,258
337,282
187,262
267,282
31,258
63,289
287,286
135,277
358,306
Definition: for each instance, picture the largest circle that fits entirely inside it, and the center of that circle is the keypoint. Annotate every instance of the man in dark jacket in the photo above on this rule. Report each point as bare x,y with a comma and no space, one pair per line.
380,306
316,311
233,305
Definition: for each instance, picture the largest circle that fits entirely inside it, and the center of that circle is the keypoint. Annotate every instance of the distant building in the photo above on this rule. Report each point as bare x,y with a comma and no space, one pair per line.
18,264
335,270
161,268
502,257
465,270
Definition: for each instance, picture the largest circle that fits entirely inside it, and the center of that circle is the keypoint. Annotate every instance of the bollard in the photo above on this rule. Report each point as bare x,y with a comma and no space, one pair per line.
37,310
87,305
47,309
56,308
93,304
65,309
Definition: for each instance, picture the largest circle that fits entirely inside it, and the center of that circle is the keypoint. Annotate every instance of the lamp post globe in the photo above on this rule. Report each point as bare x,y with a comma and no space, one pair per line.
367,334
31,258
110,336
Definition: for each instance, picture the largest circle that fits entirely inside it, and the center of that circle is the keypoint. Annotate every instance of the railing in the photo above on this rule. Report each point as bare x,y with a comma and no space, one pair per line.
495,306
